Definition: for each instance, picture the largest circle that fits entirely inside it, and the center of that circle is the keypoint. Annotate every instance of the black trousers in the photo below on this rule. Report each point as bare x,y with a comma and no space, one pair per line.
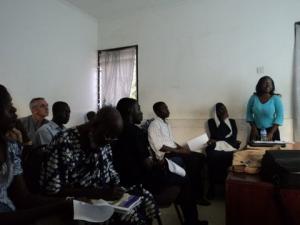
186,198
218,163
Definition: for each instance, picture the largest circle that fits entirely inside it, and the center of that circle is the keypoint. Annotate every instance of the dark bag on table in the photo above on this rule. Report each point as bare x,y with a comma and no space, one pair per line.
282,168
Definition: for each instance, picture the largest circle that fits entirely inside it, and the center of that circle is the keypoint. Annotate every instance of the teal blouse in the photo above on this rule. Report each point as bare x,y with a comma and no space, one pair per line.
265,115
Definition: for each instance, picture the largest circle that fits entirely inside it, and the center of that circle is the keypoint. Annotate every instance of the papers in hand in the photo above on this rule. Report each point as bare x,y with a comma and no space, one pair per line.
100,210
126,203
175,168
198,143
92,213
123,205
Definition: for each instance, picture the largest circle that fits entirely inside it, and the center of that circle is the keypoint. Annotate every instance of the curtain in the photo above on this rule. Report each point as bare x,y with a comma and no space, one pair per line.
116,74
296,83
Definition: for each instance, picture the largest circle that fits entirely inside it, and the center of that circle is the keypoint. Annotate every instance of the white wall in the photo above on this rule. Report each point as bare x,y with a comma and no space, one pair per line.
48,48
197,53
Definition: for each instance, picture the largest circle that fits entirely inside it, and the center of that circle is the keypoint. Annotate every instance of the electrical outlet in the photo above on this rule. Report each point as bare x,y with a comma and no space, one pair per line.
260,70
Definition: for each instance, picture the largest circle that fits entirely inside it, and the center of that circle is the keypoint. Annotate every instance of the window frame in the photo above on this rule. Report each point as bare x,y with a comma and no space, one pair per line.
98,70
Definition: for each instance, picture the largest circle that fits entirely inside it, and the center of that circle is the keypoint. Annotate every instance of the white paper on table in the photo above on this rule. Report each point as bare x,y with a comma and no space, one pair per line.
175,168
198,143
92,213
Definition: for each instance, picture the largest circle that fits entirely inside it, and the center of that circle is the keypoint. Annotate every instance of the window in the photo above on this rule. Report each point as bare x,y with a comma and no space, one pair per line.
117,75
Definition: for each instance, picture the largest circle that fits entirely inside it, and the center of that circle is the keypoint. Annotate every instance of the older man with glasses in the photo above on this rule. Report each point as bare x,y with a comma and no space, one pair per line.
39,110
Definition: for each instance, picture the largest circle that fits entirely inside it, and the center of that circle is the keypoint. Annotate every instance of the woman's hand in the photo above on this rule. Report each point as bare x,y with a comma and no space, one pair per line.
254,133
272,132
270,136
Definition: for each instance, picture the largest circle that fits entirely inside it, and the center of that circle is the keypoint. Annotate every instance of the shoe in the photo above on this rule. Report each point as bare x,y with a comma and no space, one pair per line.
203,201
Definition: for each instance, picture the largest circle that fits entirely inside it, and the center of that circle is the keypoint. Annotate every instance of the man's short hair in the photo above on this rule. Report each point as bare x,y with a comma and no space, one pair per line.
33,101
59,107
157,105
90,115
125,105
105,116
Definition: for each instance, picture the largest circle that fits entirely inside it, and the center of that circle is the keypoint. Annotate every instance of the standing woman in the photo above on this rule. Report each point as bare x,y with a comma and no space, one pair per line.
265,110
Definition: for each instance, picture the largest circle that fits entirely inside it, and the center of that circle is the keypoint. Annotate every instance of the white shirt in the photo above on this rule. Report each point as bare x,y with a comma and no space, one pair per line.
45,134
159,134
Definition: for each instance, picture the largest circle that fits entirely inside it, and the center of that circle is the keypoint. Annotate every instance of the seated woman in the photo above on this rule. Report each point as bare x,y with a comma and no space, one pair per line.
79,164
222,143
17,205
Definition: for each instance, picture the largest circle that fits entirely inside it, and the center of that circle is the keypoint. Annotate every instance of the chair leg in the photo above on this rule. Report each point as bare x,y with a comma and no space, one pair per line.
179,214
159,222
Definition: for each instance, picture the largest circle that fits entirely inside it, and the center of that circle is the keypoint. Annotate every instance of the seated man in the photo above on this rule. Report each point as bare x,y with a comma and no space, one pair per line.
79,164
222,143
132,161
39,110
17,205
162,142
61,115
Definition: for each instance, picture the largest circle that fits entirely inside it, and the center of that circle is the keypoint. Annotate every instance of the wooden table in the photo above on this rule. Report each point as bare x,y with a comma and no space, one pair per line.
250,201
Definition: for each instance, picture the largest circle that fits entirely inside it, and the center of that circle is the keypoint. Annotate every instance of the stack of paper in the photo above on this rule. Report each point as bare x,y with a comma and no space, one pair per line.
123,205
92,213
126,203
99,210
175,168
198,144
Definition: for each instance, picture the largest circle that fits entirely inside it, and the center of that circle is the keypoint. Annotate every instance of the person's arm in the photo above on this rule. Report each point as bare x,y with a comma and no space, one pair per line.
233,138
278,117
212,131
279,114
30,207
155,140
178,150
271,132
254,135
250,119
143,153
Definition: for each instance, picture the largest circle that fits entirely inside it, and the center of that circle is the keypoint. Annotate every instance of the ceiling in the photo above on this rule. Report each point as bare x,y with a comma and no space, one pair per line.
110,9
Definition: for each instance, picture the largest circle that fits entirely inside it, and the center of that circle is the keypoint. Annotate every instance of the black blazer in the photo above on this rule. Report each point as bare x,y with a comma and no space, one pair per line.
219,133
